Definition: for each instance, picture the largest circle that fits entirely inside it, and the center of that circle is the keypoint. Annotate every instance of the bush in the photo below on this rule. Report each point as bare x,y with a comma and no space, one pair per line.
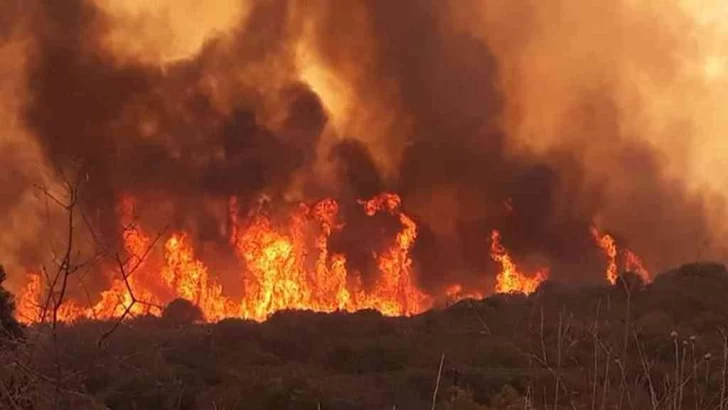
9,327
182,311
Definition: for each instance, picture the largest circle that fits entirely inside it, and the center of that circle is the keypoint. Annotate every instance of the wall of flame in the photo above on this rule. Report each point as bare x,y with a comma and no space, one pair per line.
596,124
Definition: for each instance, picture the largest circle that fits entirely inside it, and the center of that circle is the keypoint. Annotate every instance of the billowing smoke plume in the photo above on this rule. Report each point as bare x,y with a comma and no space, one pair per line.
539,120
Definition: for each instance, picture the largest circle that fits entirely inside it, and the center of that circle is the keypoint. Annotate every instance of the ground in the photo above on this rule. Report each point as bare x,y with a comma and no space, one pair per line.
628,346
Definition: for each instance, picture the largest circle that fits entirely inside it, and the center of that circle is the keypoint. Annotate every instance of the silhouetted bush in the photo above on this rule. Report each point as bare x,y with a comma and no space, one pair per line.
182,311
9,327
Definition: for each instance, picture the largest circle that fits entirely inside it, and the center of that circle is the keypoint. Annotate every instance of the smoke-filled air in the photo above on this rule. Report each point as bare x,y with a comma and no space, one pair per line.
257,156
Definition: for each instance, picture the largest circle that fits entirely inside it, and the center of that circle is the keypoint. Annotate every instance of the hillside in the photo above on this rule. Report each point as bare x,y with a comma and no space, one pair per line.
629,347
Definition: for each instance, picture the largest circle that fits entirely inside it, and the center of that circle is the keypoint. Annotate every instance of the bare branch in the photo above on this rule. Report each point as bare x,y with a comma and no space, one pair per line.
437,382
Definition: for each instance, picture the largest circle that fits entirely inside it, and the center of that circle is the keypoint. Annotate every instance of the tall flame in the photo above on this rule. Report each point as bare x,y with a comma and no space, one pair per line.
609,246
630,261
28,308
35,305
187,278
510,279
633,263
276,279
395,291
288,265
281,271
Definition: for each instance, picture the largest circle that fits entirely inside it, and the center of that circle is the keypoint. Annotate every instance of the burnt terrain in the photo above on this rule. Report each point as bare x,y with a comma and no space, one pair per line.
628,346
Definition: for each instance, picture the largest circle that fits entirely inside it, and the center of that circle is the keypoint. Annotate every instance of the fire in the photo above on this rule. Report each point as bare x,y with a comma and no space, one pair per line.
607,243
510,279
286,263
633,263
29,305
456,292
281,274
35,305
277,261
395,291
129,279
630,261
330,273
187,278
276,278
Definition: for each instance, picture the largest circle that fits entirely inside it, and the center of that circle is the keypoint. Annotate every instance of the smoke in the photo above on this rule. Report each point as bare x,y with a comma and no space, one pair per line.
629,89
572,114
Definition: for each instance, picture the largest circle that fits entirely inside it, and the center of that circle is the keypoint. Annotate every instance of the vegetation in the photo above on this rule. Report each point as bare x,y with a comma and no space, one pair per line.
630,346
9,327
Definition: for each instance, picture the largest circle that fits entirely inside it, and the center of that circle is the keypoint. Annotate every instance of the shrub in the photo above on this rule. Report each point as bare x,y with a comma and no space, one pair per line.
182,311
9,327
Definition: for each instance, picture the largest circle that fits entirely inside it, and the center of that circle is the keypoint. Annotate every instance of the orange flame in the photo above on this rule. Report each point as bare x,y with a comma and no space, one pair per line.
275,279
607,243
633,263
454,293
330,274
28,309
280,272
630,261
510,279
187,278
35,305
288,265
118,299
395,291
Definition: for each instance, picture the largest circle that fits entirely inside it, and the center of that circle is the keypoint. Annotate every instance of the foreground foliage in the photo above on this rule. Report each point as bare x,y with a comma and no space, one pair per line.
630,346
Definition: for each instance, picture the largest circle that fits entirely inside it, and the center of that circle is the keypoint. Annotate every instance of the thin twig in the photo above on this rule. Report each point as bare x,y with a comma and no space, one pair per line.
437,383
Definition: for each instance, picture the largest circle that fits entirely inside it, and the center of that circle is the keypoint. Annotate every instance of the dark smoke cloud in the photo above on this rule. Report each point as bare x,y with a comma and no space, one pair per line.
448,84
354,163
88,108
165,134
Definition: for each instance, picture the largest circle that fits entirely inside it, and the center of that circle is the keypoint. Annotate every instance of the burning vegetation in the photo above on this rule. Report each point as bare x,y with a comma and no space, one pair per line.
265,161
287,265
193,164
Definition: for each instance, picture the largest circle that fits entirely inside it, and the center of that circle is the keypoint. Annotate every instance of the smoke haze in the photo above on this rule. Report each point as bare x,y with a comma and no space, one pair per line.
539,119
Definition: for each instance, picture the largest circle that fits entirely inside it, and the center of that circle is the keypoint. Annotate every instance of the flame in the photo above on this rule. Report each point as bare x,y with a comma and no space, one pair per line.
633,263
456,292
281,272
275,272
287,265
607,243
188,278
28,309
630,261
34,304
118,298
277,261
278,279
395,292
510,279
330,273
